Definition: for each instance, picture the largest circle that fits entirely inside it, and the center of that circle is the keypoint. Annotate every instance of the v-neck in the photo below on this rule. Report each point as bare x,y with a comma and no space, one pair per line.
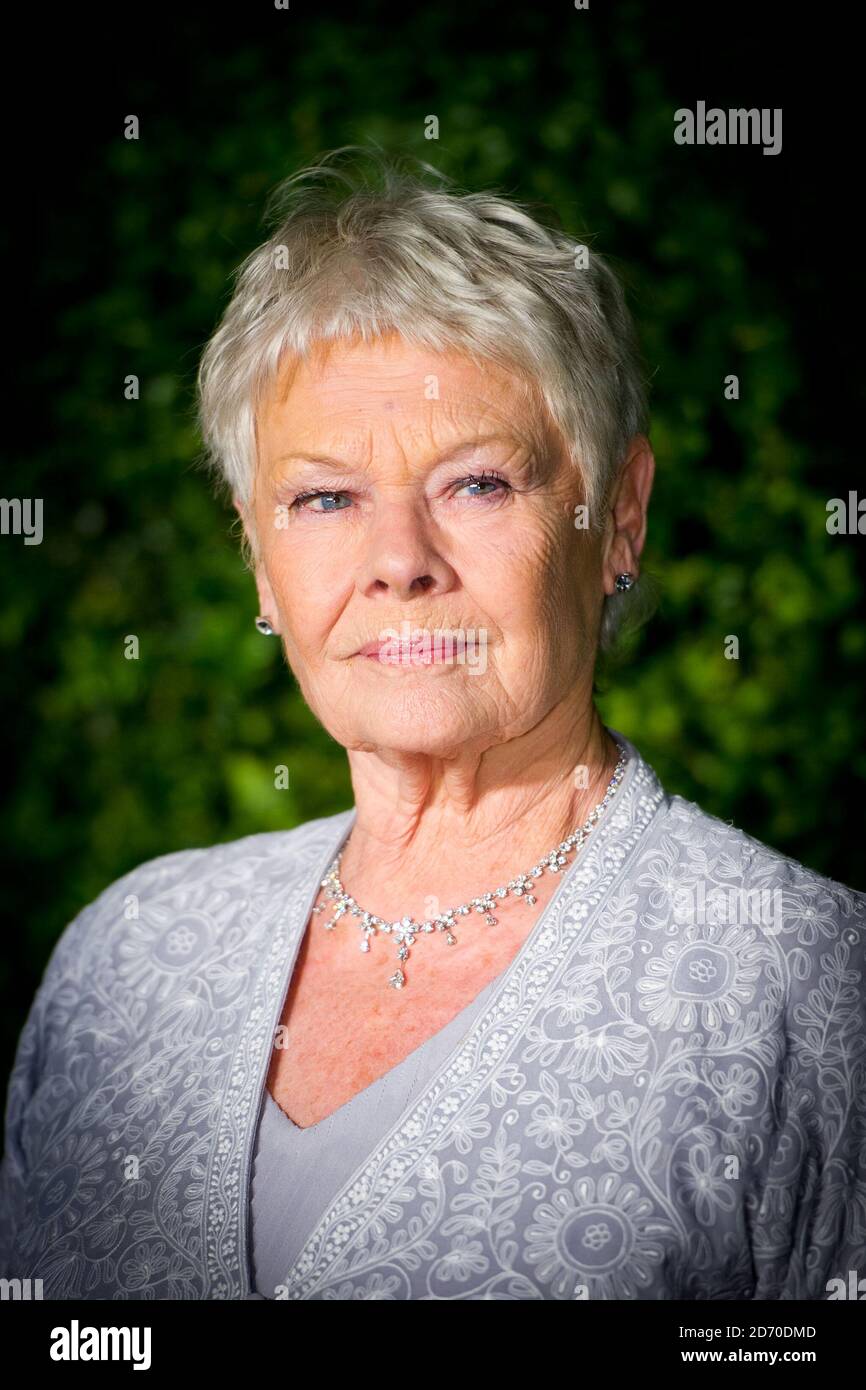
411,1058
502,981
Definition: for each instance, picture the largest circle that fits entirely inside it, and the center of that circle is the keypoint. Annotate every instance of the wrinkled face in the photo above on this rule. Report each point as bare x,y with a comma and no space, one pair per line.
402,493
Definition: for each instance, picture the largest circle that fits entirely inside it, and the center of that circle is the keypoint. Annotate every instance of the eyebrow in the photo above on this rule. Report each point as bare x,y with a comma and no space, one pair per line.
453,452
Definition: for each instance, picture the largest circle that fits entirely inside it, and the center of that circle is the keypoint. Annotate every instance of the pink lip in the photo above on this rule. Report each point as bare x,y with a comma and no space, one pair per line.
377,651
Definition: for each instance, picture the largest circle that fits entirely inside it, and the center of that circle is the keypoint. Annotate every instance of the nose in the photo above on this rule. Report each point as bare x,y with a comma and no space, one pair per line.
401,556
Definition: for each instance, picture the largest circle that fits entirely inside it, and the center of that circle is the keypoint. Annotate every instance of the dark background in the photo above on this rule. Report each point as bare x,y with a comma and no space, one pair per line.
120,254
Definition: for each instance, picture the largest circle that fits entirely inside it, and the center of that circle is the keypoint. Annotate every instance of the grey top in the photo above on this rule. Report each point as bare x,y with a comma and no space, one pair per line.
663,1095
297,1172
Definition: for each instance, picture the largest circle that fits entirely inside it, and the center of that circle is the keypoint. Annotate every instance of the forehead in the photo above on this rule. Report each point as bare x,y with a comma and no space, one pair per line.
389,382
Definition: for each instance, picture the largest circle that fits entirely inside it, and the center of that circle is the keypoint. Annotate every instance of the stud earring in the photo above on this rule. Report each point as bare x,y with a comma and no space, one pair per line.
264,627
623,582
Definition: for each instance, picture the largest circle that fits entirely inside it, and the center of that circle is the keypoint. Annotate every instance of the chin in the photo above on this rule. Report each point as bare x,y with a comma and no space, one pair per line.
427,726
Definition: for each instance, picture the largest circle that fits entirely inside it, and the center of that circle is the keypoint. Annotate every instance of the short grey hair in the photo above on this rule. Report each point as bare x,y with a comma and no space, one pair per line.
361,245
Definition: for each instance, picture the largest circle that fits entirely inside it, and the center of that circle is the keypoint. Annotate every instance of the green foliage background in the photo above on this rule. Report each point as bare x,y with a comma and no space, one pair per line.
131,245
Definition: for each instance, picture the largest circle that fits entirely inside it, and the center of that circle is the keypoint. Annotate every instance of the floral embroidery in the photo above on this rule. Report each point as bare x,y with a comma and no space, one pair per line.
656,1102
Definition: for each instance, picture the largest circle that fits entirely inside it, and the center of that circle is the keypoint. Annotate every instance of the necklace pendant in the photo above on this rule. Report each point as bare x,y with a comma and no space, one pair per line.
490,920
451,938
531,899
397,980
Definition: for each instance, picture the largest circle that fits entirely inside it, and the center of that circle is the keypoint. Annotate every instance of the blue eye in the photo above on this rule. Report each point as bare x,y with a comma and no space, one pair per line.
473,480
303,497
477,480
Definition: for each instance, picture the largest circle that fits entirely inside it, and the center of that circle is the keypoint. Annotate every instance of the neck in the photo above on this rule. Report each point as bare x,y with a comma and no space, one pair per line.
453,829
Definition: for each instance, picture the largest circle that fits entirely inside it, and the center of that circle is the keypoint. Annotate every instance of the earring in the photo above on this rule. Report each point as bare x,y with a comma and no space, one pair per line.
264,627
623,582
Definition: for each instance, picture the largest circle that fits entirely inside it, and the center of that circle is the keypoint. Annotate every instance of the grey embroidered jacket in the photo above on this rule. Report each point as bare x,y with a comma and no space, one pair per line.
664,1097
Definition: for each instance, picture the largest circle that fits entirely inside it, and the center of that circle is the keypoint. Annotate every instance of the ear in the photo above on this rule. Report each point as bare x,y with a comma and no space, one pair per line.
267,602
626,522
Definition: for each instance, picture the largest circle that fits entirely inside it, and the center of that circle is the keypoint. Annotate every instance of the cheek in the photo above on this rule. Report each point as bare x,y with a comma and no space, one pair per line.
315,557
549,580
568,605
308,595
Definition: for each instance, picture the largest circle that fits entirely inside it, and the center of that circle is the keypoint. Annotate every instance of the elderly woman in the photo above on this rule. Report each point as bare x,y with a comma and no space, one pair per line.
519,1024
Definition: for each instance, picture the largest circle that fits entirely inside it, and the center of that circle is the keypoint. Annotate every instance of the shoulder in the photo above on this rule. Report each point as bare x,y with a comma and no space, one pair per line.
233,859
719,874
721,844
203,881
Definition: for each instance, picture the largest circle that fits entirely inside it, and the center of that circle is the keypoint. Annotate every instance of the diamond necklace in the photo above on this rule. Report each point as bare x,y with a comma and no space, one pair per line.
405,931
